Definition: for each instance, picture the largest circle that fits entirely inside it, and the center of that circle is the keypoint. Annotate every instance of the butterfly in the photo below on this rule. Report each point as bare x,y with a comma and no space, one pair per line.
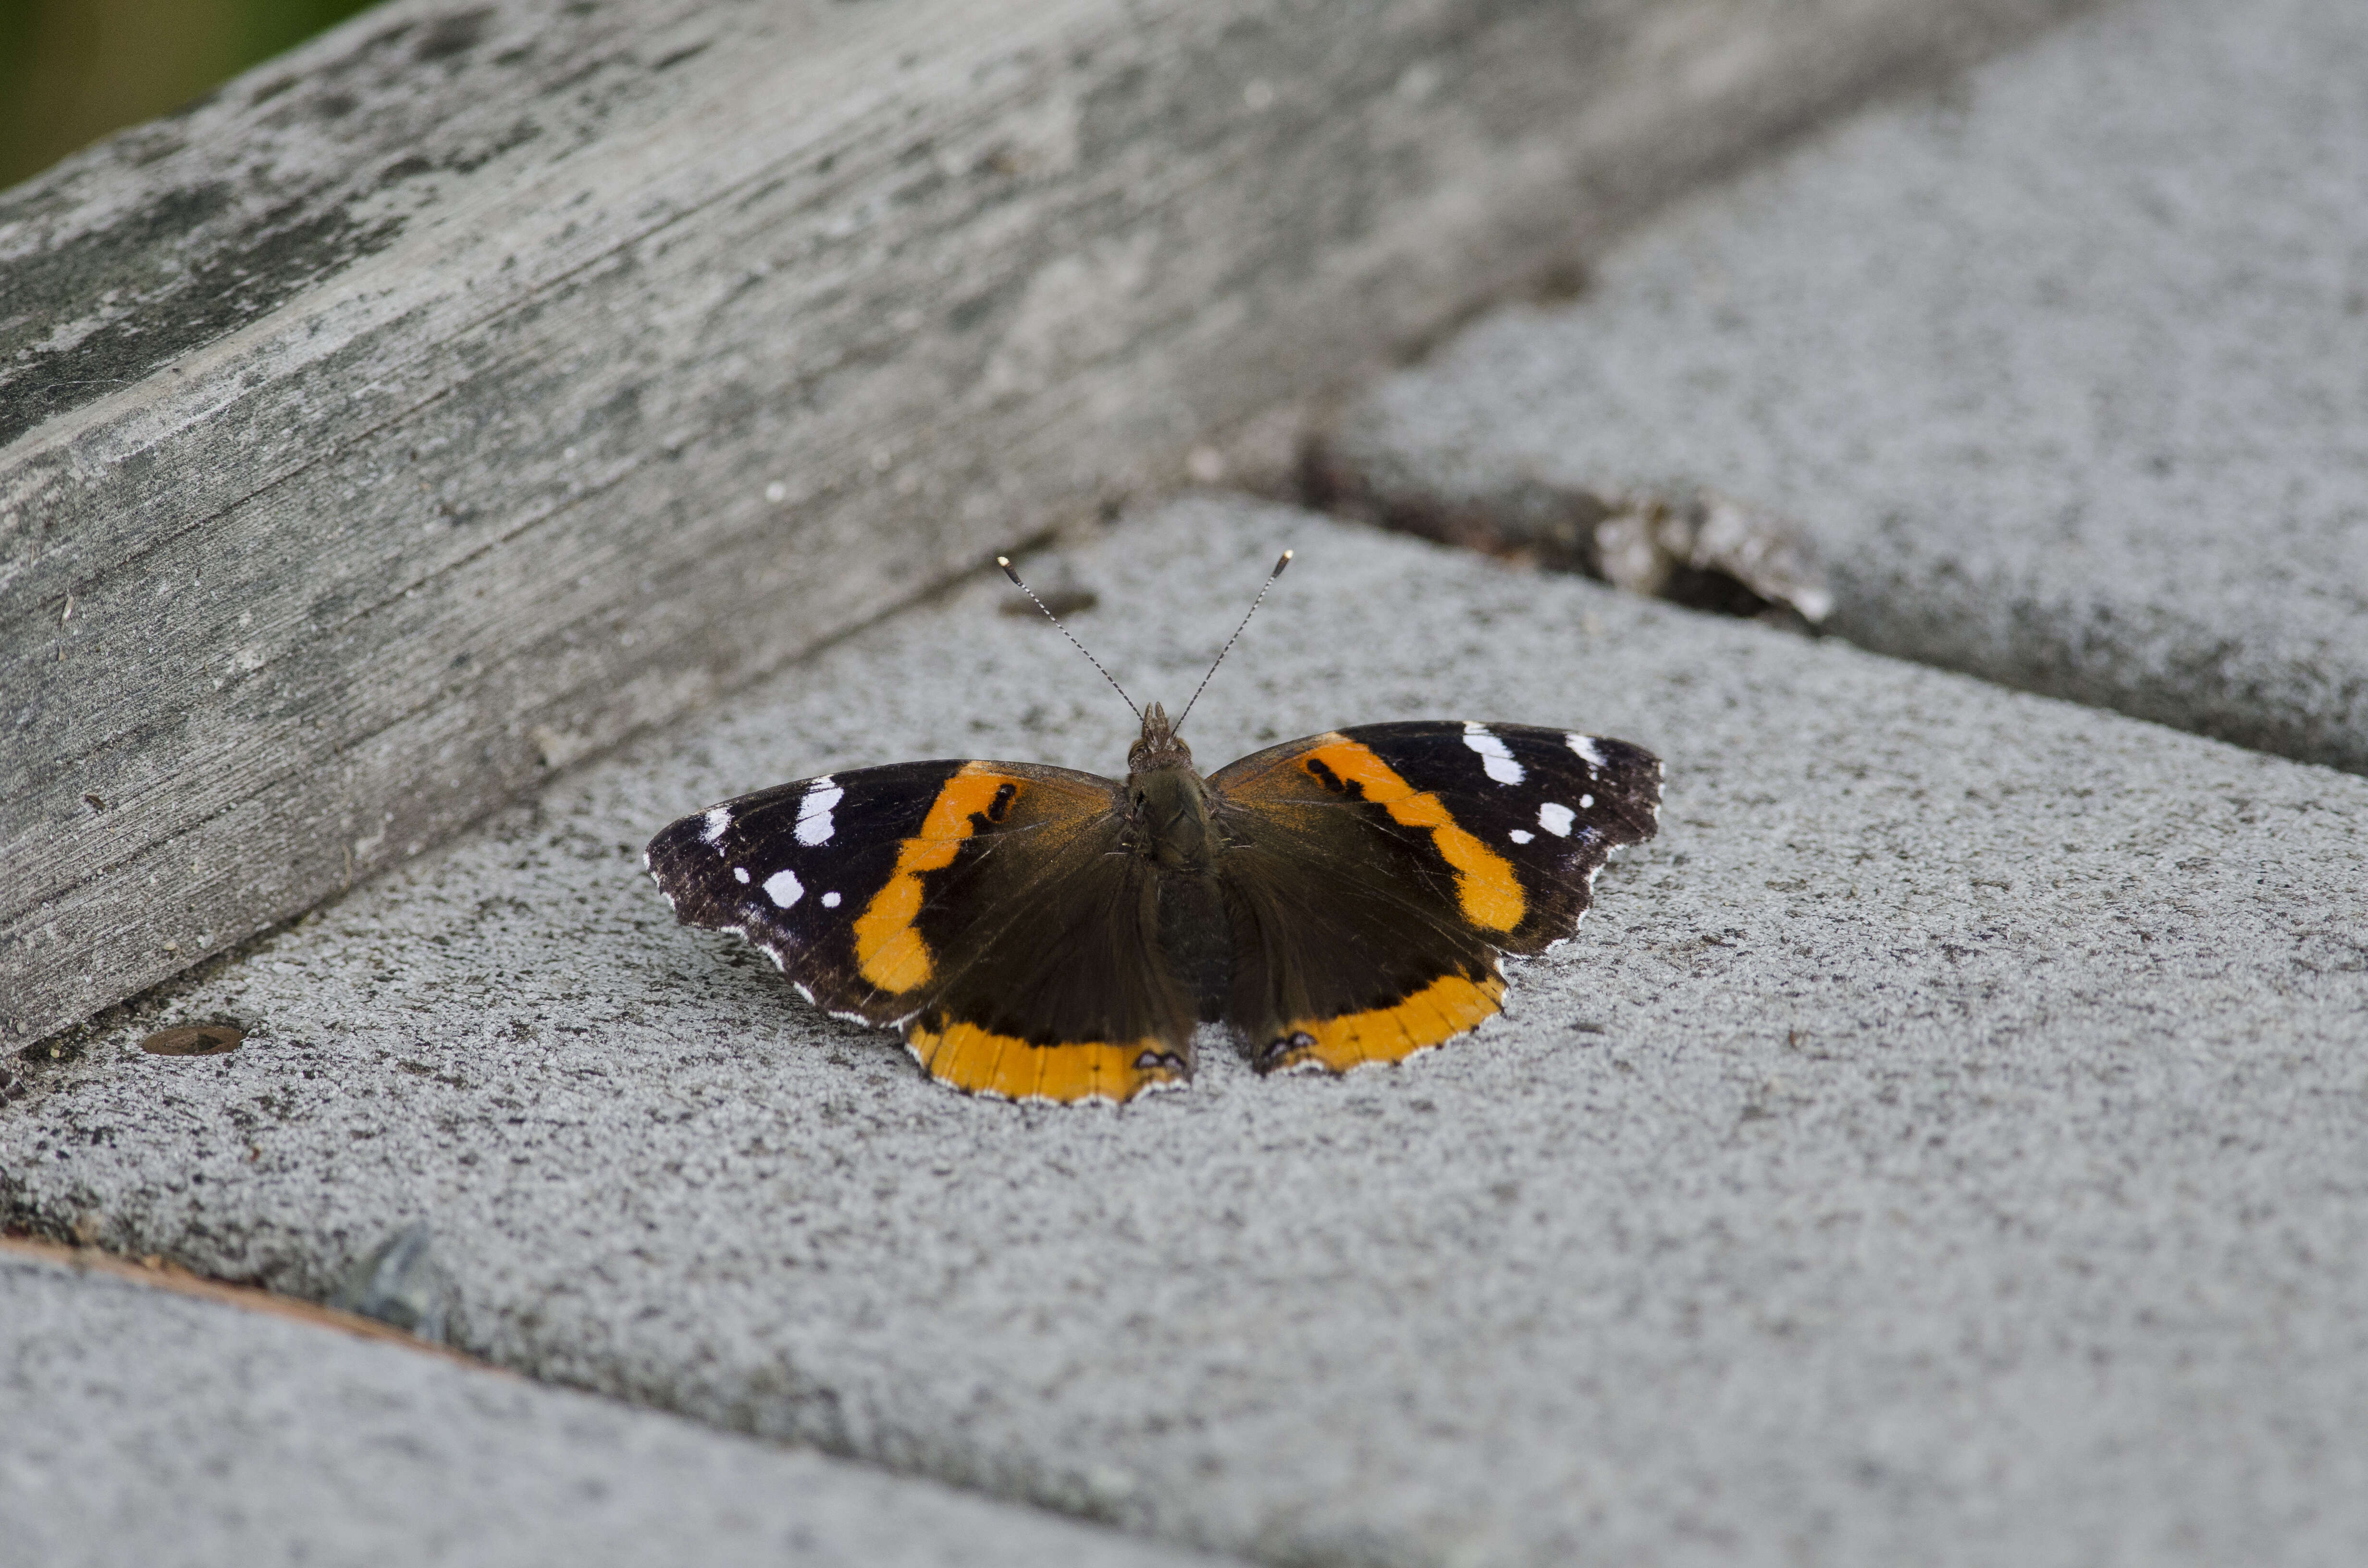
1043,934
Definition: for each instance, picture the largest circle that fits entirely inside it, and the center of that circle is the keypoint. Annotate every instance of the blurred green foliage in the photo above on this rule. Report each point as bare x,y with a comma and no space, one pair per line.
71,70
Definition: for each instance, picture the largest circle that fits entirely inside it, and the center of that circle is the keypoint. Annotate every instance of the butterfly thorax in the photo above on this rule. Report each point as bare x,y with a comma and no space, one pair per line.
1171,803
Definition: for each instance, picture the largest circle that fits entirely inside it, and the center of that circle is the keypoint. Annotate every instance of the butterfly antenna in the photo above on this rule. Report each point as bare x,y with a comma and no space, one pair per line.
1234,638
1004,561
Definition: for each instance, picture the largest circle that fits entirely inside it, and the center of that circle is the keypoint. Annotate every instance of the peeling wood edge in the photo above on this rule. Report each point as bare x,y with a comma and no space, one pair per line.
156,1273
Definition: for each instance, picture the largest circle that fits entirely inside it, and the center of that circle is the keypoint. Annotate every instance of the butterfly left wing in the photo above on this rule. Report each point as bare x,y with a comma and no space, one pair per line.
981,907
1372,875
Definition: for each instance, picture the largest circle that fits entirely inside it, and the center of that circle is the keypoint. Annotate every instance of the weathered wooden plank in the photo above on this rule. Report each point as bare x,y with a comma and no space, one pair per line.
477,385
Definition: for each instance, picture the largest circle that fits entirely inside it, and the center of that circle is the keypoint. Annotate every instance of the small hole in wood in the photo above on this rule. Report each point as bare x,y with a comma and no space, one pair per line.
193,1039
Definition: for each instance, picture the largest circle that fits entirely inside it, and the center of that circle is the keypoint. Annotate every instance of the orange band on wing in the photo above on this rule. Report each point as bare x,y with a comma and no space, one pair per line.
1440,1011
889,950
983,1061
1485,887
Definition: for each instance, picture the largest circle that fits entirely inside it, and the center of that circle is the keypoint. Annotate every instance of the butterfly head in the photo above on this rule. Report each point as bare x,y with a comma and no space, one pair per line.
1159,746
1158,750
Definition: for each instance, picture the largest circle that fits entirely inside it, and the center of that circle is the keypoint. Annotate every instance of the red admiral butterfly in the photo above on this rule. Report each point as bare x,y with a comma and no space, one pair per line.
1041,934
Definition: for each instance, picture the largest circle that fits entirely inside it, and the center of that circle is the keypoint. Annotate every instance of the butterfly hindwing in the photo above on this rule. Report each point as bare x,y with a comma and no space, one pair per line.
978,905
1053,985
1374,873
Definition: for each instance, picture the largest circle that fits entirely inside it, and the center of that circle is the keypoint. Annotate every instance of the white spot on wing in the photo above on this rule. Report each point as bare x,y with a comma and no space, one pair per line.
1585,746
1520,835
740,873
717,820
1587,803
830,900
815,824
1495,755
1556,818
784,889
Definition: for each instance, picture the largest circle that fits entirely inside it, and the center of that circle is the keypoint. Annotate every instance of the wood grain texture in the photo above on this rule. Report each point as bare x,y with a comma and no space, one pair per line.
448,399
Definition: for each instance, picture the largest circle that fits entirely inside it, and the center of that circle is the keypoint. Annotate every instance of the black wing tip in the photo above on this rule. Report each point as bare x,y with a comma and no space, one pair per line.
676,857
1636,773
666,849
1625,756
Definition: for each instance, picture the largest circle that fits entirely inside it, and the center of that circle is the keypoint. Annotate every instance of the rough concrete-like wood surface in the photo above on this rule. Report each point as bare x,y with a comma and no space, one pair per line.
450,398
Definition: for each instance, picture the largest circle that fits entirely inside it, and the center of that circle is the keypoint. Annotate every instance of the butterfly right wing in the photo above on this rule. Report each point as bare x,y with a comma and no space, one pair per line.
891,896
1375,873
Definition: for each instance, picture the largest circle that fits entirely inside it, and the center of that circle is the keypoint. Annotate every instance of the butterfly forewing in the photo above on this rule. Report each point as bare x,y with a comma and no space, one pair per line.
792,867
1552,803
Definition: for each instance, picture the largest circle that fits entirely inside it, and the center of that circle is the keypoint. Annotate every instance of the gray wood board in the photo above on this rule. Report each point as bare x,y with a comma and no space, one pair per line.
454,396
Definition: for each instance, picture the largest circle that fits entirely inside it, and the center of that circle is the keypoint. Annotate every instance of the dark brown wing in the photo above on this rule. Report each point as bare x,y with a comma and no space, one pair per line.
1373,875
984,907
